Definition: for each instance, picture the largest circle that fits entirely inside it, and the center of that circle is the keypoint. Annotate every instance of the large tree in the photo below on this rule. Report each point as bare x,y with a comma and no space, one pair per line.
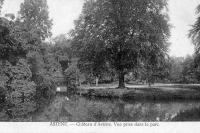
194,33
120,33
34,27
34,20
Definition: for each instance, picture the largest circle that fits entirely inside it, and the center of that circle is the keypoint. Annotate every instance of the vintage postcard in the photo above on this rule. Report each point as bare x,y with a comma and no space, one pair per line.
99,66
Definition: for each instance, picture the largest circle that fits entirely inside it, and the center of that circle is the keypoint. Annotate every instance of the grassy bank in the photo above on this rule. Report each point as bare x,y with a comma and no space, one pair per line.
164,92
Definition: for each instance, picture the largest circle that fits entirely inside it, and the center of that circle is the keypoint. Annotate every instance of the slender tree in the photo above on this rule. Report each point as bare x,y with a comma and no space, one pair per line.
34,19
34,27
120,33
1,3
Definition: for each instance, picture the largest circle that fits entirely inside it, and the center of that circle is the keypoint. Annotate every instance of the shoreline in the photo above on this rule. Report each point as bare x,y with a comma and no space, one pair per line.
142,93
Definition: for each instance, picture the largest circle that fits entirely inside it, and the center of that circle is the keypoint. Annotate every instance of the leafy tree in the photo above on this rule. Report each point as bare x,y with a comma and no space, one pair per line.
155,63
194,32
62,51
28,69
197,66
34,27
194,35
176,69
34,21
10,46
1,3
20,88
188,72
15,79
46,72
71,75
184,70
120,33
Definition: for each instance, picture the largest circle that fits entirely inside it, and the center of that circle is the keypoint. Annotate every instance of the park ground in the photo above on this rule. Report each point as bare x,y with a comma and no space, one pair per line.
156,91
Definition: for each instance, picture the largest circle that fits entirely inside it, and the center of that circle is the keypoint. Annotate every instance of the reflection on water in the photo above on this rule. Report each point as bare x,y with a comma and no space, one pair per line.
18,109
84,109
78,108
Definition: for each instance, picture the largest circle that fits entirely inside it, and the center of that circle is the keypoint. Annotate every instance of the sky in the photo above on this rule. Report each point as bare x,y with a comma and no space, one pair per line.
64,12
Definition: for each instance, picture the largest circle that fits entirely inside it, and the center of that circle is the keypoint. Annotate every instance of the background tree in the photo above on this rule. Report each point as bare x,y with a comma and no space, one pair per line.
34,27
184,70
175,74
194,34
34,18
15,74
62,51
189,70
63,54
120,33
1,3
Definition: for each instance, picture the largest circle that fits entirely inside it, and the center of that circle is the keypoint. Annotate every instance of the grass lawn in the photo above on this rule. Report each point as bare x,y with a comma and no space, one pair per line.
139,92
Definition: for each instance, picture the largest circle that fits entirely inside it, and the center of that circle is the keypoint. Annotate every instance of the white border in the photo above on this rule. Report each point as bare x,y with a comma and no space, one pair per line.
71,127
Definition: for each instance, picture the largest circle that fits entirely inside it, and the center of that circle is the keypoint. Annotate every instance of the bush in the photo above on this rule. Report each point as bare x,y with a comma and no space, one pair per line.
17,90
45,70
2,95
70,75
45,91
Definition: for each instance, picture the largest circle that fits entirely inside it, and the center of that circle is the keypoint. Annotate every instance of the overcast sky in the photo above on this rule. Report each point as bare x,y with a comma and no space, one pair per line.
64,12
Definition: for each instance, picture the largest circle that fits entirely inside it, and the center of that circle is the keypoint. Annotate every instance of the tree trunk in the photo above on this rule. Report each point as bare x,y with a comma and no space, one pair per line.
97,81
149,84
121,80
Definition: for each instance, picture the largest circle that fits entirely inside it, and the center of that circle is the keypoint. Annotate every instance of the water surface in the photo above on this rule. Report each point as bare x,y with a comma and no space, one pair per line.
92,109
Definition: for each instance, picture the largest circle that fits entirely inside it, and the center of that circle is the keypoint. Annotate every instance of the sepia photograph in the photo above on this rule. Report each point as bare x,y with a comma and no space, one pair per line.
99,61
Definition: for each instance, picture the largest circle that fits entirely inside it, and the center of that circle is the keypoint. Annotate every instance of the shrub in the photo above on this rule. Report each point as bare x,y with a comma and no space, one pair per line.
70,75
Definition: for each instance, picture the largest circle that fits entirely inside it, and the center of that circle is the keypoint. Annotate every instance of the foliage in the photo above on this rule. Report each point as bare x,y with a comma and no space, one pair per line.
10,46
29,71
152,72
17,87
1,3
72,76
176,69
62,51
189,70
20,83
15,74
119,33
194,35
34,19
194,32
184,70
46,74
34,28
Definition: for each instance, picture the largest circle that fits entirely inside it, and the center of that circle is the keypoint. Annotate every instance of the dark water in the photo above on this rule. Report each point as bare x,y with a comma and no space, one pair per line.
77,108
84,109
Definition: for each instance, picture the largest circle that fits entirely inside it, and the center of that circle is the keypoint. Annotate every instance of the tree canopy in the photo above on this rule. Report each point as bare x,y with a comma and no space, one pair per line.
1,3
28,70
34,19
194,32
121,33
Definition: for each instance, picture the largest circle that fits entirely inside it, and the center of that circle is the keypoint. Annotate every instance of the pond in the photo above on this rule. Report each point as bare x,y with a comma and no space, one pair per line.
78,108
